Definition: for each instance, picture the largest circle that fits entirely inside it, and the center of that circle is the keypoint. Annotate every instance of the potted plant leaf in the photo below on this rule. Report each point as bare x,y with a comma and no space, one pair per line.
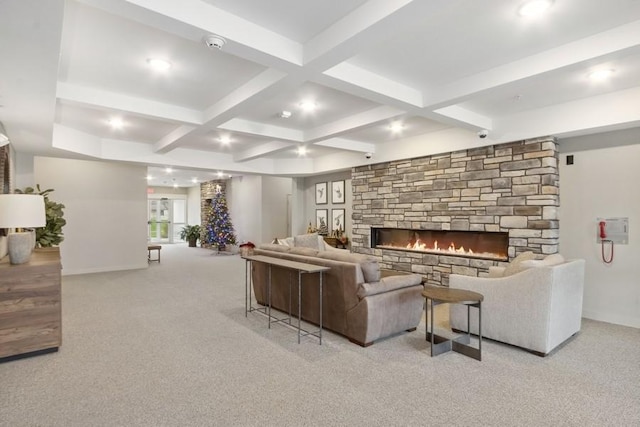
190,233
51,233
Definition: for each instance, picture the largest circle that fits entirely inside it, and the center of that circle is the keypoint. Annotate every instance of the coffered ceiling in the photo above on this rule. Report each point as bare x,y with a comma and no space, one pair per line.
441,69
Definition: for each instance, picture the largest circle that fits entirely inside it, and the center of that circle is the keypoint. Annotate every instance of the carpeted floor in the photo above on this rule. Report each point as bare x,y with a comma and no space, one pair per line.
171,346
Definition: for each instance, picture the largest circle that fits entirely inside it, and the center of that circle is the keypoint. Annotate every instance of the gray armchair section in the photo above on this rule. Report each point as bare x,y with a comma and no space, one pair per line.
359,301
536,309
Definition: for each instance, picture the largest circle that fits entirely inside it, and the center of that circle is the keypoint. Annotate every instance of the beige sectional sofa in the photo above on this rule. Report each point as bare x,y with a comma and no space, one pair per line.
533,304
360,301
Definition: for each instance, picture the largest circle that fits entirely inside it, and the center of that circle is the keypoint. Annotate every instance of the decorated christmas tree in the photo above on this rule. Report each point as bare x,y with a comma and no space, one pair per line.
218,228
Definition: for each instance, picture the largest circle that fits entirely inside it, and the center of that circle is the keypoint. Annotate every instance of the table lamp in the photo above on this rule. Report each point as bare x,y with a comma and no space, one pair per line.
19,211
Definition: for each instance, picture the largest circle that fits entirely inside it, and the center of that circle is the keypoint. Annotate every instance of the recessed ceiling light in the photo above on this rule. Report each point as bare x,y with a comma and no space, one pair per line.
168,170
116,123
302,150
308,105
285,114
158,64
149,177
194,180
601,75
220,174
534,7
396,127
225,139
175,185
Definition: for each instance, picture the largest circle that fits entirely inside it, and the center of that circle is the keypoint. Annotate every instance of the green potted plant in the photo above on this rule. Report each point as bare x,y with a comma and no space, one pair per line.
51,233
190,233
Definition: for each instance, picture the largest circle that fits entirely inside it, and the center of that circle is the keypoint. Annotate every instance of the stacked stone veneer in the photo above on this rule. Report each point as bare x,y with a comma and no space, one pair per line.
208,192
508,187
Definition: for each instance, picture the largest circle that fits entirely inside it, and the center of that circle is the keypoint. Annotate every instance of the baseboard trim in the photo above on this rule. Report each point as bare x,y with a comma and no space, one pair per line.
28,354
611,318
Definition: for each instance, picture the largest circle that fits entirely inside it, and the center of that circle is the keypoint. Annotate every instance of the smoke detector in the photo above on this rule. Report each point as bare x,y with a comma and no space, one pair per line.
214,41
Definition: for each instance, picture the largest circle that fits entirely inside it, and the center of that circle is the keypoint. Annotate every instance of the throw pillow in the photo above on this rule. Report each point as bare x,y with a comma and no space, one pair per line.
286,242
554,259
549,261
307,241
515,266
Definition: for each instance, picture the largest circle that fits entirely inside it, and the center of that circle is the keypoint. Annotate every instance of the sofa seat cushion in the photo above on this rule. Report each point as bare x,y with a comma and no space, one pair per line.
369,265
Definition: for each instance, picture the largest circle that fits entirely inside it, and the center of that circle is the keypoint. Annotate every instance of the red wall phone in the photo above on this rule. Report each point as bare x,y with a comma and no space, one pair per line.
603,229
602,232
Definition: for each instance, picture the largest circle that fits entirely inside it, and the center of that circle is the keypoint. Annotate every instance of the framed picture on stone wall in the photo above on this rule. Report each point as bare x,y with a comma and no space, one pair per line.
321,221
321,193
337,192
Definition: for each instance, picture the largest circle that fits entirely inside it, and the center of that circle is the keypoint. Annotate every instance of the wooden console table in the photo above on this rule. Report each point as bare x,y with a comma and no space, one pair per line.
30,305
337,243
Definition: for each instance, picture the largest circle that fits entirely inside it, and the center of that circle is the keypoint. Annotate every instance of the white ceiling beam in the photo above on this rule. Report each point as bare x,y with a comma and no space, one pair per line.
206,17
255,90
261,150
363,29
586,49
352,123
117,101
464,117
373,82
595,114
346,37
262,129
348,145
75,141
171,138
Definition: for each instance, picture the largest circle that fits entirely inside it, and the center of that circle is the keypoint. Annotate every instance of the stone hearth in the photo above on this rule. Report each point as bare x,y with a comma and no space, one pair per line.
509,188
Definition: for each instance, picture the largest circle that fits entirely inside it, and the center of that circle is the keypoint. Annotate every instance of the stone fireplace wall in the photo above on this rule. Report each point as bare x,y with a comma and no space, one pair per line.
508,187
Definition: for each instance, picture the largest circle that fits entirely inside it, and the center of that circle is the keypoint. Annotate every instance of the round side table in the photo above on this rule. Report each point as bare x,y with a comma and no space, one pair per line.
439,344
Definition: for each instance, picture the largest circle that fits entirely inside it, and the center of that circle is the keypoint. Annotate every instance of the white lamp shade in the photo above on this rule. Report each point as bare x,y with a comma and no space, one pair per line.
22,211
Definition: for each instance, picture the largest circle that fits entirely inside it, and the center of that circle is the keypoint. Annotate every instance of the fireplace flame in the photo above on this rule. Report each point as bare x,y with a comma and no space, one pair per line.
420,246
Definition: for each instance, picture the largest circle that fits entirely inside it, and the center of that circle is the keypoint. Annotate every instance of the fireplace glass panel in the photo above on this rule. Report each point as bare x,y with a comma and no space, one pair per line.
472,244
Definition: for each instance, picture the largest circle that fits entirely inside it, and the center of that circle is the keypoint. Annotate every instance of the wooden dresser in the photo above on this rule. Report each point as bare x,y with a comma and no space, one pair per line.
30,306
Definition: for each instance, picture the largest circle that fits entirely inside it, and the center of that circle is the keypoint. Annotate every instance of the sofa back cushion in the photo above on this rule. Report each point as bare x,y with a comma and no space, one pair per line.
303,251
307,241
515,266
274,247
549,261
369,265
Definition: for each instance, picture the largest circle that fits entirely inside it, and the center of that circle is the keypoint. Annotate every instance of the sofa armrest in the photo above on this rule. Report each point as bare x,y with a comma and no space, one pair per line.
389,284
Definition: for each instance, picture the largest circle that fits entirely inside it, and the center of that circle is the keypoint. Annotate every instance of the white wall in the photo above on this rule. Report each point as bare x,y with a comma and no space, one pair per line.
23,167
274,207
244,198
258,207
106,213
602,182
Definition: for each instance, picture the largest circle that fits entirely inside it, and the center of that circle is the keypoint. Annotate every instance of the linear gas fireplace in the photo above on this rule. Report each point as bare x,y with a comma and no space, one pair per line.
472,244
